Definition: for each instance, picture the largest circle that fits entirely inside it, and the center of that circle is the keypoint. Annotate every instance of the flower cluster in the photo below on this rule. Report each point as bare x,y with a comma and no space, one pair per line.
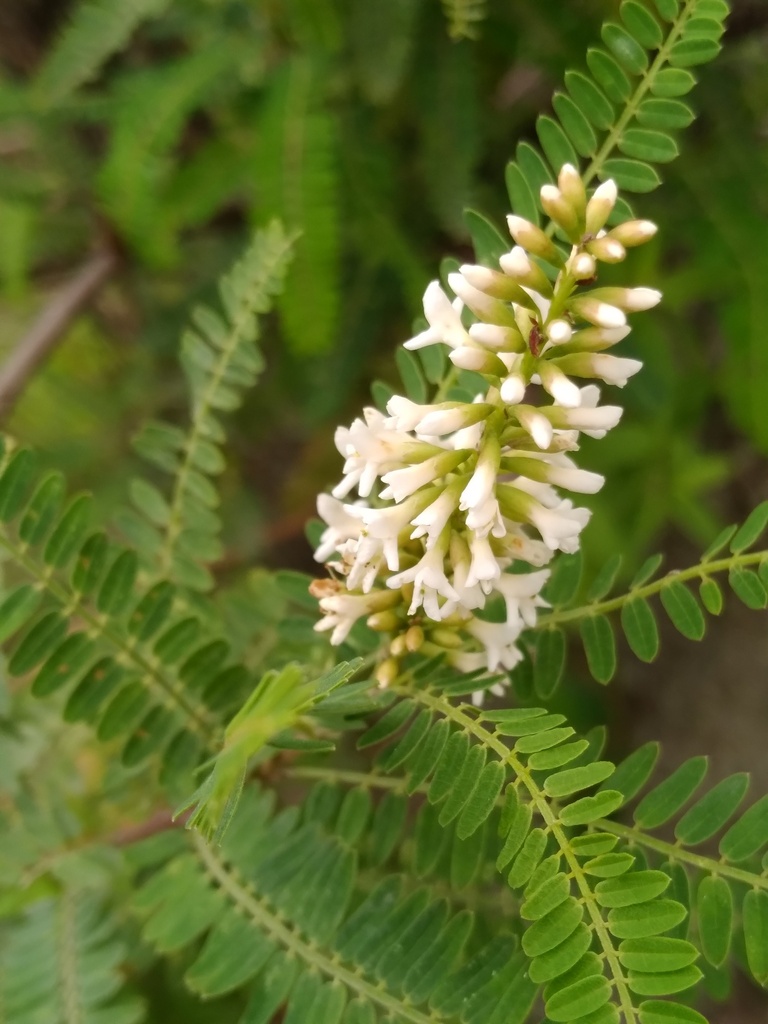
458,503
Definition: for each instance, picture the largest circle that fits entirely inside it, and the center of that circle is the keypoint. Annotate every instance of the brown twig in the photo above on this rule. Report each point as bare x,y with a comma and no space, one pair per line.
51,324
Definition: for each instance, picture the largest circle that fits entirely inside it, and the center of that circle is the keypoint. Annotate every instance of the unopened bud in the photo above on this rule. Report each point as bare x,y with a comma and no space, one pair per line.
512,389
582,266
383,622
556,206
534,240
600,205
559,332
447,638
633,232
564,391
508,339
492,283
477,359
572,188
483,306
607,249
595,339
517,264
414,638
601,314
386,672
633,300
397,648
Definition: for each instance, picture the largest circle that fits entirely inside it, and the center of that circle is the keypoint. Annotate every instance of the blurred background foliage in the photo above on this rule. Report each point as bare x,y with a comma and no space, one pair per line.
162,132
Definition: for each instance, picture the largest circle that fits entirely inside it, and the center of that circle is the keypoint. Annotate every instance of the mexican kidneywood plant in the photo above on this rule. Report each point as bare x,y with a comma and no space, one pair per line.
387,818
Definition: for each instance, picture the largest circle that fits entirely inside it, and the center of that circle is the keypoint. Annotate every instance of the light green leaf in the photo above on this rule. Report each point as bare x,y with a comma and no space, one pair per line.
682,608
710,813
599,646
640,629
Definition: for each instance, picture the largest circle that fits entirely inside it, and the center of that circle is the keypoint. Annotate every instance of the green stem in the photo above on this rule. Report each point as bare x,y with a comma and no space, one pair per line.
675,852
492,742
700,571
67,959
670,851
246,901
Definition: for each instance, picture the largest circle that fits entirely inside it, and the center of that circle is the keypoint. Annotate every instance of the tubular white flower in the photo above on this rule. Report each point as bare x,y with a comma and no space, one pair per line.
601,314
492,310
484,565
371,446
491,282
429,582
401,483
633,300
341,526
432,520
537,424
444,319
523,270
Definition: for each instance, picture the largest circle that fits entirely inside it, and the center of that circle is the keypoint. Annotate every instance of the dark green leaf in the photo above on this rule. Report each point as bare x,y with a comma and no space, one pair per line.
755,925
747,586
609,75
711,596
576,125
625,49
647,571
590,99
643,144
38,643
634,771
642,24
748,835
605,578
631,175
489,244
557,148
67,537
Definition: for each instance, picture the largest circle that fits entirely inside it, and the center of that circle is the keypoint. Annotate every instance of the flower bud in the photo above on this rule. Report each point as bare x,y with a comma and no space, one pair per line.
572,188
633,300
500,338
556,206
534,240
564,391
611,369
600,206
602,314
582,266
607,249
386,672
477,359
536,423
525,271
633,232
414,638
559,332
383,622
492,283
447,638
483,306
512,389
595,339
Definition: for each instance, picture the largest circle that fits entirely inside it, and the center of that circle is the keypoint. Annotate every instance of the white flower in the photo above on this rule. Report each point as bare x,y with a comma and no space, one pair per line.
484,565
559,527
384,525
518,546
521,594
564,391
537,425
498,639
370,446
444,319
429,581
612,369
343,610
341,526
431,522
403,482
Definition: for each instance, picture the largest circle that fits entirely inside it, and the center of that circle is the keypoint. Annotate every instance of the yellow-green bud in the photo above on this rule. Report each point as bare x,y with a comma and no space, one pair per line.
533,239
600,205
447,638
607,249
386,672
633,232
414,638
383,622
562,212
572,188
